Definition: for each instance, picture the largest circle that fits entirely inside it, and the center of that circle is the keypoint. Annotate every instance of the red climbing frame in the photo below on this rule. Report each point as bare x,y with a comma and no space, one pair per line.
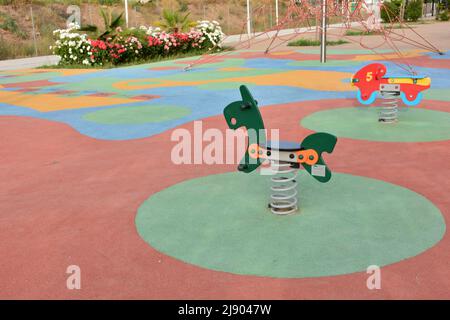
304,17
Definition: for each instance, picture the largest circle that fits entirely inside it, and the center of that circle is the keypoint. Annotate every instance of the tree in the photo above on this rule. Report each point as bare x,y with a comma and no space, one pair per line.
175,21
390,11
414,10
442,13
111,22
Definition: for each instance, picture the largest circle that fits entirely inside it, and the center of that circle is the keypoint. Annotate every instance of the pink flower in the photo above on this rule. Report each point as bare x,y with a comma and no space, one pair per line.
153,41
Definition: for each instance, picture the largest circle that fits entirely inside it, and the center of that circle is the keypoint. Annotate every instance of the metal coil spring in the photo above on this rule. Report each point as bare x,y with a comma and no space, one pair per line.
283,198
389,108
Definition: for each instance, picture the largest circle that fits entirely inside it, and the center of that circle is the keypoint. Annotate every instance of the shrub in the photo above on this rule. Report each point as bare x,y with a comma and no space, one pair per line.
100,52
313,43
212,34
128,49
175,21
442,13
72,47
154,47
144,43
4,49
108,2
112,22
413,10
390,11
139,33
443,16
9,24
361,33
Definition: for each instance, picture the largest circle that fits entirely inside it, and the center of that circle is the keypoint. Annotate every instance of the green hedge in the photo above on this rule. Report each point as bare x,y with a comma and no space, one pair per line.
413,10
442,13
443,16
390,11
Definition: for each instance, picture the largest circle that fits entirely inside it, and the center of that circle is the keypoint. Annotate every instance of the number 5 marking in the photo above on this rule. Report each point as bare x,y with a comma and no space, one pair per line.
369,76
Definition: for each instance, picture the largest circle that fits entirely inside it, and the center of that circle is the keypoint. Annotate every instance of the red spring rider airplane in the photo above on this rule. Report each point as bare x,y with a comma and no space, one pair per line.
372,79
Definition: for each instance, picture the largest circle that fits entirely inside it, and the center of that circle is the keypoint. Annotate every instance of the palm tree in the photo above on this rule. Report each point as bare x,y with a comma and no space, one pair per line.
111,22
175,21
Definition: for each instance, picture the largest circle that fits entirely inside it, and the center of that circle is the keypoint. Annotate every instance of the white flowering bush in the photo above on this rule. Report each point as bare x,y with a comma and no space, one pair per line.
151,31
71,46
212,33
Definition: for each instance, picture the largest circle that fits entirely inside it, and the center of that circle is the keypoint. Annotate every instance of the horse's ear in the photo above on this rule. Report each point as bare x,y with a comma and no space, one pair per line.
247,96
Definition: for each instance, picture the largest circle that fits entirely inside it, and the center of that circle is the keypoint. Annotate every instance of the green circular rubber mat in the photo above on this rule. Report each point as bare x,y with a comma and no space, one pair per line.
137,114
221,222
414,125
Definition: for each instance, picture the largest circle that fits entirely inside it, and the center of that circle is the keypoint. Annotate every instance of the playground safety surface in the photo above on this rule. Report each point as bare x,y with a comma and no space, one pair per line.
86,179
